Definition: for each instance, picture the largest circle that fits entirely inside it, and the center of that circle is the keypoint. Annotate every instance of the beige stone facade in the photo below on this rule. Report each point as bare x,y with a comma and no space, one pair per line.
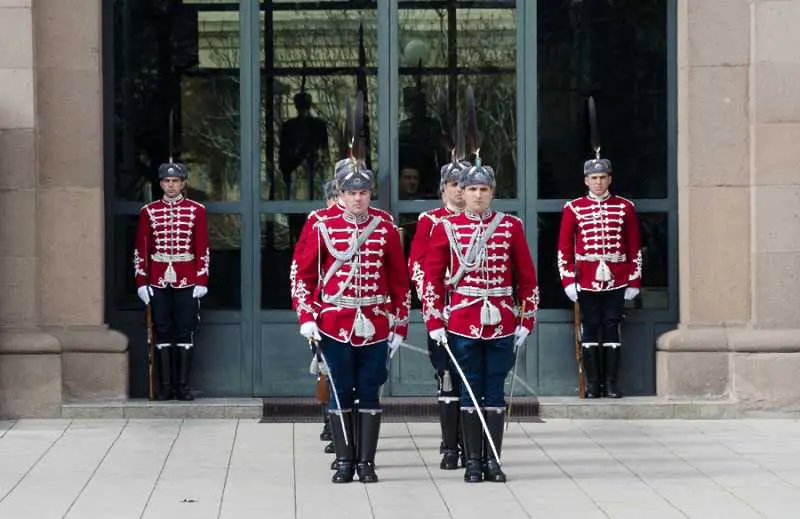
739,208
53,343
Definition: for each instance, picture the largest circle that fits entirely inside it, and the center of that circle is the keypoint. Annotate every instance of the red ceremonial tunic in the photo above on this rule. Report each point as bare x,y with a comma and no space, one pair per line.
484,272
599,246
172,244
350,278
416,255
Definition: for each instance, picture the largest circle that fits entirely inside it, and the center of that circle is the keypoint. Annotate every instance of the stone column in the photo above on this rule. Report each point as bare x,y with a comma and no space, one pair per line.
71,240
53,341
739,206
30,371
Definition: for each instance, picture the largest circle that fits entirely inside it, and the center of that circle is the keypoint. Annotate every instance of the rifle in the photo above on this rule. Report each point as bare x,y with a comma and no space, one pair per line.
151,346
579,351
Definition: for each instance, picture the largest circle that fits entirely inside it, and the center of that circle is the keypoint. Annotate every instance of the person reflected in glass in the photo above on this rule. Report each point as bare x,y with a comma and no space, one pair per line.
420,142
409,183
303,151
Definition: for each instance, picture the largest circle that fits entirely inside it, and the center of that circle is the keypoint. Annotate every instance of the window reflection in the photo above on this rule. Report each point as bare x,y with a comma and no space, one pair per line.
615,51
445,48
179,59
313,60
654,295
279,233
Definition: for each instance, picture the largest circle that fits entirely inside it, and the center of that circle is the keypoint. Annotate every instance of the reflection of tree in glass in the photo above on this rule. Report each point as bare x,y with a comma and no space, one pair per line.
486,46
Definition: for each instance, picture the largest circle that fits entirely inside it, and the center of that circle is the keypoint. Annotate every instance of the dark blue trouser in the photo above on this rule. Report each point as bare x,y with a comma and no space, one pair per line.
486,363
357,371
601,314
441,362
175,314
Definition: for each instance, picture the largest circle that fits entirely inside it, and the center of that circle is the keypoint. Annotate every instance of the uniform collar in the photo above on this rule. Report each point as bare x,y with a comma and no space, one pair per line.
601,198
453,210
481,217
172,201
356,219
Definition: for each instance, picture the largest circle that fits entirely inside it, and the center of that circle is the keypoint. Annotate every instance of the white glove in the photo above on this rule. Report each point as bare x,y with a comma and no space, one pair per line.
438,335
520,334
199,291
572,292
309,330
631,293
394,343
144,292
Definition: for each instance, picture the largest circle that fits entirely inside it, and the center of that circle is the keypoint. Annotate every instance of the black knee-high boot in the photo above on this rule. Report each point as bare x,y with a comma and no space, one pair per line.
448,417
612,369
495,421
184,368
343,444
473,445
591,368
369,426
166,361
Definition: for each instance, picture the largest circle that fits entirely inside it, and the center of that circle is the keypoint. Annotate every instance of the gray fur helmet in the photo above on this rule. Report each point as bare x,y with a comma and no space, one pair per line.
172,169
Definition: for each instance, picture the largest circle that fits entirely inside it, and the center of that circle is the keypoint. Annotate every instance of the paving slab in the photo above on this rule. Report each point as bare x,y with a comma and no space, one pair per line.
126,468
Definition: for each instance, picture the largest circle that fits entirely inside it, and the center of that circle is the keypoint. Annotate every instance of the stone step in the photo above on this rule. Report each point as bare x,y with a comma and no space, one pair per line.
142,408
417,409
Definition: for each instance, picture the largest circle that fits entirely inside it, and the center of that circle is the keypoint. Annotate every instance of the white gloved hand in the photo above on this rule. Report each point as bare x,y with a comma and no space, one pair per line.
631,293
572,292
144,292
520,334
438,335
309,330
394,343
199,291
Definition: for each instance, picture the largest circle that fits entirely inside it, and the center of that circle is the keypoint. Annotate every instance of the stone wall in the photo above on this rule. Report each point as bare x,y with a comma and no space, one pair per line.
739,205
51,209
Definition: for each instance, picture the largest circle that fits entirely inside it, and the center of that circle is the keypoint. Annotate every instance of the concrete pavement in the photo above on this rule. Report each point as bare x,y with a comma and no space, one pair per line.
240,469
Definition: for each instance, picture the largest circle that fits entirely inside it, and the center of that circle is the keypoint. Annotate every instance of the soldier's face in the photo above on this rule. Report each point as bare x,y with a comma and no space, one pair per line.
478,198
356,201
598,183
172,186
453,195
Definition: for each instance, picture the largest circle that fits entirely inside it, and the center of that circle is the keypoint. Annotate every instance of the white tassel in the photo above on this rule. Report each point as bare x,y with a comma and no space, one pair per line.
447,381
169,275
490,314
363,326
603,272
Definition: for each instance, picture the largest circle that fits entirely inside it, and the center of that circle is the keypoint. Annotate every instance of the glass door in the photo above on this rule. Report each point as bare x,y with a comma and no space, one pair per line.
313,56
441,48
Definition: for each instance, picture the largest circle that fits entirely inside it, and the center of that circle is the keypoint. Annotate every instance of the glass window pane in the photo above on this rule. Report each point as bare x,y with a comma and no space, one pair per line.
279,234
655,262
224,290
313,60
225,281
655,244
617,52
182,59
444,50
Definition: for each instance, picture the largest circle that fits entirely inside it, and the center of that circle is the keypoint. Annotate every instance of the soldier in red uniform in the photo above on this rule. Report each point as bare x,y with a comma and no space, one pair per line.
447,379
317,366
480,258
171,264
351,293
600,264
